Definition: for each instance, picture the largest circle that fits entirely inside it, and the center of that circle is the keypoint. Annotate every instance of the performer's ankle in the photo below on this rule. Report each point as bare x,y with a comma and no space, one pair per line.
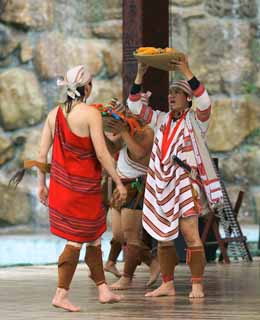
110,263
196,280
167,278
62,289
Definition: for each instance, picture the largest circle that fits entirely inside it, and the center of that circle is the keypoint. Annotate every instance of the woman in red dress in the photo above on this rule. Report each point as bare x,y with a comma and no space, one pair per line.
74,196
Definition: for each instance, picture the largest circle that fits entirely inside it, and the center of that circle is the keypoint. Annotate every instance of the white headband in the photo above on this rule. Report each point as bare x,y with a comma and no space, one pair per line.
75,78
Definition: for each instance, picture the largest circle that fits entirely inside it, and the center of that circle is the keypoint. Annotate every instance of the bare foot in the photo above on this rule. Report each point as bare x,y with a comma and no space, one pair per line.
154,272
61,300
196,291
107,296
165,289
110,266
123,283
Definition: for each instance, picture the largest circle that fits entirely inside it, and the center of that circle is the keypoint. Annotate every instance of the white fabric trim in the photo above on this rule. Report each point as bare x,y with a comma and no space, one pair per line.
129,168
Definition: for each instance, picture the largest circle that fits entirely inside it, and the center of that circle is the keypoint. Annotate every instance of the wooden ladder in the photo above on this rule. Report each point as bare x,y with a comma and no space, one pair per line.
228,219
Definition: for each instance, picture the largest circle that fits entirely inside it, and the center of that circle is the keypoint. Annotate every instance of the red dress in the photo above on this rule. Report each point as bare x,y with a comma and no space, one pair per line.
75,200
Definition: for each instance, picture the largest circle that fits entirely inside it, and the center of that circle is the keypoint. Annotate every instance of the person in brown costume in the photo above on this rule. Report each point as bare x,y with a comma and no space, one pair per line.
148,257
74,197
126,220
115,250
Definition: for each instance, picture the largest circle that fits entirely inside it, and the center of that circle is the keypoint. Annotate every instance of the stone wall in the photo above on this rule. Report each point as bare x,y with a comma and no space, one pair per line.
222,39
40,40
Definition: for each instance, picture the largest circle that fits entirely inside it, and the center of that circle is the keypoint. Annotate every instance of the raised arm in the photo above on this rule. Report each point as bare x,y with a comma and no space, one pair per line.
203,109
139,146
138,102
114,144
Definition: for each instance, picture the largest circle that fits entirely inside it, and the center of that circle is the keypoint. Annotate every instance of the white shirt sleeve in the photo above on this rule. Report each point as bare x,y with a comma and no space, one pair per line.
138,104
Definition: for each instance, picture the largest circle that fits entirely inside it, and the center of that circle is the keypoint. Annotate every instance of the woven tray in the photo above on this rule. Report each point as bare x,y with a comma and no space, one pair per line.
159,61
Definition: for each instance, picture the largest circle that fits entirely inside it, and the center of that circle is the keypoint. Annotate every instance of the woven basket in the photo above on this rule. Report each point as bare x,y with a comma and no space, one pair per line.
159,61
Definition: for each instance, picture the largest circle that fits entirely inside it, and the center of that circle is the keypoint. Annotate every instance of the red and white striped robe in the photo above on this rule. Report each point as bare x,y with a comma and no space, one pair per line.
169,194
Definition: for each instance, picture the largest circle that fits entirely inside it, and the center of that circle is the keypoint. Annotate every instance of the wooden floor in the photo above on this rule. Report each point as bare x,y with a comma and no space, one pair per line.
233,292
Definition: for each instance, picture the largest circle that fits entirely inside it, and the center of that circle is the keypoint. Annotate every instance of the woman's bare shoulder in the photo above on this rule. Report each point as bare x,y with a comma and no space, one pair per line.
90,110
51,117
53,112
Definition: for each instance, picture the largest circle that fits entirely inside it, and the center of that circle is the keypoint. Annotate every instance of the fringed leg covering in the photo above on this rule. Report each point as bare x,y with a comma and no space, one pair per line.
168,260
132,260
67,265
195,258
93,259
115,250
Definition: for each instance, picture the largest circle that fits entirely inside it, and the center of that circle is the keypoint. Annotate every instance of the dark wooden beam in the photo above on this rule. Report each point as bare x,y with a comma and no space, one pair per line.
145,23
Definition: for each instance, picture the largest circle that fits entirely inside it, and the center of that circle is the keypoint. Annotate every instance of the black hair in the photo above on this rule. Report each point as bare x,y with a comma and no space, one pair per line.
189,102
69,101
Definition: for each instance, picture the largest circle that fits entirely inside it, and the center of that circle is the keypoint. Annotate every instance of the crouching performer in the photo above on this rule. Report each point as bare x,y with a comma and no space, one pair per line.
132,165
74,197
180,175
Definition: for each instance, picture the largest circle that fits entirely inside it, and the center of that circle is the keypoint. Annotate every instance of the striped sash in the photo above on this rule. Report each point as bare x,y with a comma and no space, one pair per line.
206,170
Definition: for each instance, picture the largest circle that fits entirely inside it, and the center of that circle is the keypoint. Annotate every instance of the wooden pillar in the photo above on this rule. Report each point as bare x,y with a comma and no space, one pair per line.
3,4
145,23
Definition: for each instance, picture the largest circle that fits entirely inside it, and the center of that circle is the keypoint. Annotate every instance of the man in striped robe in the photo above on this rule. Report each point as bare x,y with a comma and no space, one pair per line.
173,197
